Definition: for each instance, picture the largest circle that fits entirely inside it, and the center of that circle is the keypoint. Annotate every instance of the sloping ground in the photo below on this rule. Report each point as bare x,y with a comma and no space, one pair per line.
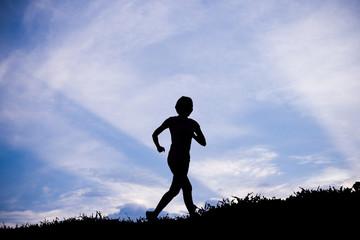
321,212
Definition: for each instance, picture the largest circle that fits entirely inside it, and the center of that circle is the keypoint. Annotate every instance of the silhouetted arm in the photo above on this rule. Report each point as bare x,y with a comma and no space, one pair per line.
156,139
199,137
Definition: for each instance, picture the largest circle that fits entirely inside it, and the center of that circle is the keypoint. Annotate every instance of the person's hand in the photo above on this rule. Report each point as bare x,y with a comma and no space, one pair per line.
160,149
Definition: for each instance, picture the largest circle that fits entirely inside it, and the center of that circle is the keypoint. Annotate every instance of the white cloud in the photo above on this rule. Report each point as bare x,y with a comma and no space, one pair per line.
314,158
316,57
22,217
32,120
87,68
105,196
236,172
330,176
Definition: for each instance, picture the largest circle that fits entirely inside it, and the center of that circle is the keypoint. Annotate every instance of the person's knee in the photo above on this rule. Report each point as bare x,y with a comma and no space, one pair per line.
173,191
187,187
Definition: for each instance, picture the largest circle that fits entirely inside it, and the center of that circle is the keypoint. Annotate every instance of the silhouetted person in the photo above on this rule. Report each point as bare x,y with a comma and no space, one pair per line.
183,130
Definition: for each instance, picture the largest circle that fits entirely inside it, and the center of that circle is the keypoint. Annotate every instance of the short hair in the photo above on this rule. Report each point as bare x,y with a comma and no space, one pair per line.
184,106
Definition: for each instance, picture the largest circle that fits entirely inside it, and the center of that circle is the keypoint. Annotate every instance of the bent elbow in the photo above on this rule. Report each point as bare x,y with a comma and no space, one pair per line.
154,135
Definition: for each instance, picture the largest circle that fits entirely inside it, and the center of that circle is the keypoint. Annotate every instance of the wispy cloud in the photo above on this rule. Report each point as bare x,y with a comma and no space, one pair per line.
315,158
237,171
316,57
330,176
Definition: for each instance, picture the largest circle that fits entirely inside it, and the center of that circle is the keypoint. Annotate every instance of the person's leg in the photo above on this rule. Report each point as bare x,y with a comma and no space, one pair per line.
180,180
181,169
187,193
169,195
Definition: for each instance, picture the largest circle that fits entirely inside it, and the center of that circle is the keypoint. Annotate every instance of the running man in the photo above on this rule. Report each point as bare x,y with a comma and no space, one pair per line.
182,129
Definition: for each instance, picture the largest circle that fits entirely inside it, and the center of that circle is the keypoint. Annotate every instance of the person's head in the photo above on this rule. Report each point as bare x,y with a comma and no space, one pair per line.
184,106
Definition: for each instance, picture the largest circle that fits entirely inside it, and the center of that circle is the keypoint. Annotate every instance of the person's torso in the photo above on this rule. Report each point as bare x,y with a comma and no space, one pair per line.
182,130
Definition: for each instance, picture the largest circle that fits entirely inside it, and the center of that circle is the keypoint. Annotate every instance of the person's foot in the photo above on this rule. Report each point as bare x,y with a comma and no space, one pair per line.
151,216
194,216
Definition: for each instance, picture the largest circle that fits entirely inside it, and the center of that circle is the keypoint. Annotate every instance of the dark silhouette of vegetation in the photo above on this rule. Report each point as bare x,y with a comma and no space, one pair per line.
321,211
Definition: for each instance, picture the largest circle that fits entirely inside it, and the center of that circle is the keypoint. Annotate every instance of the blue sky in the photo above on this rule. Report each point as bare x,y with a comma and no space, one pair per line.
83,85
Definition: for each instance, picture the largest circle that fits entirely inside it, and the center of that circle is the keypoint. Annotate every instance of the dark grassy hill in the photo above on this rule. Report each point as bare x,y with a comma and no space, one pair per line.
328,212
